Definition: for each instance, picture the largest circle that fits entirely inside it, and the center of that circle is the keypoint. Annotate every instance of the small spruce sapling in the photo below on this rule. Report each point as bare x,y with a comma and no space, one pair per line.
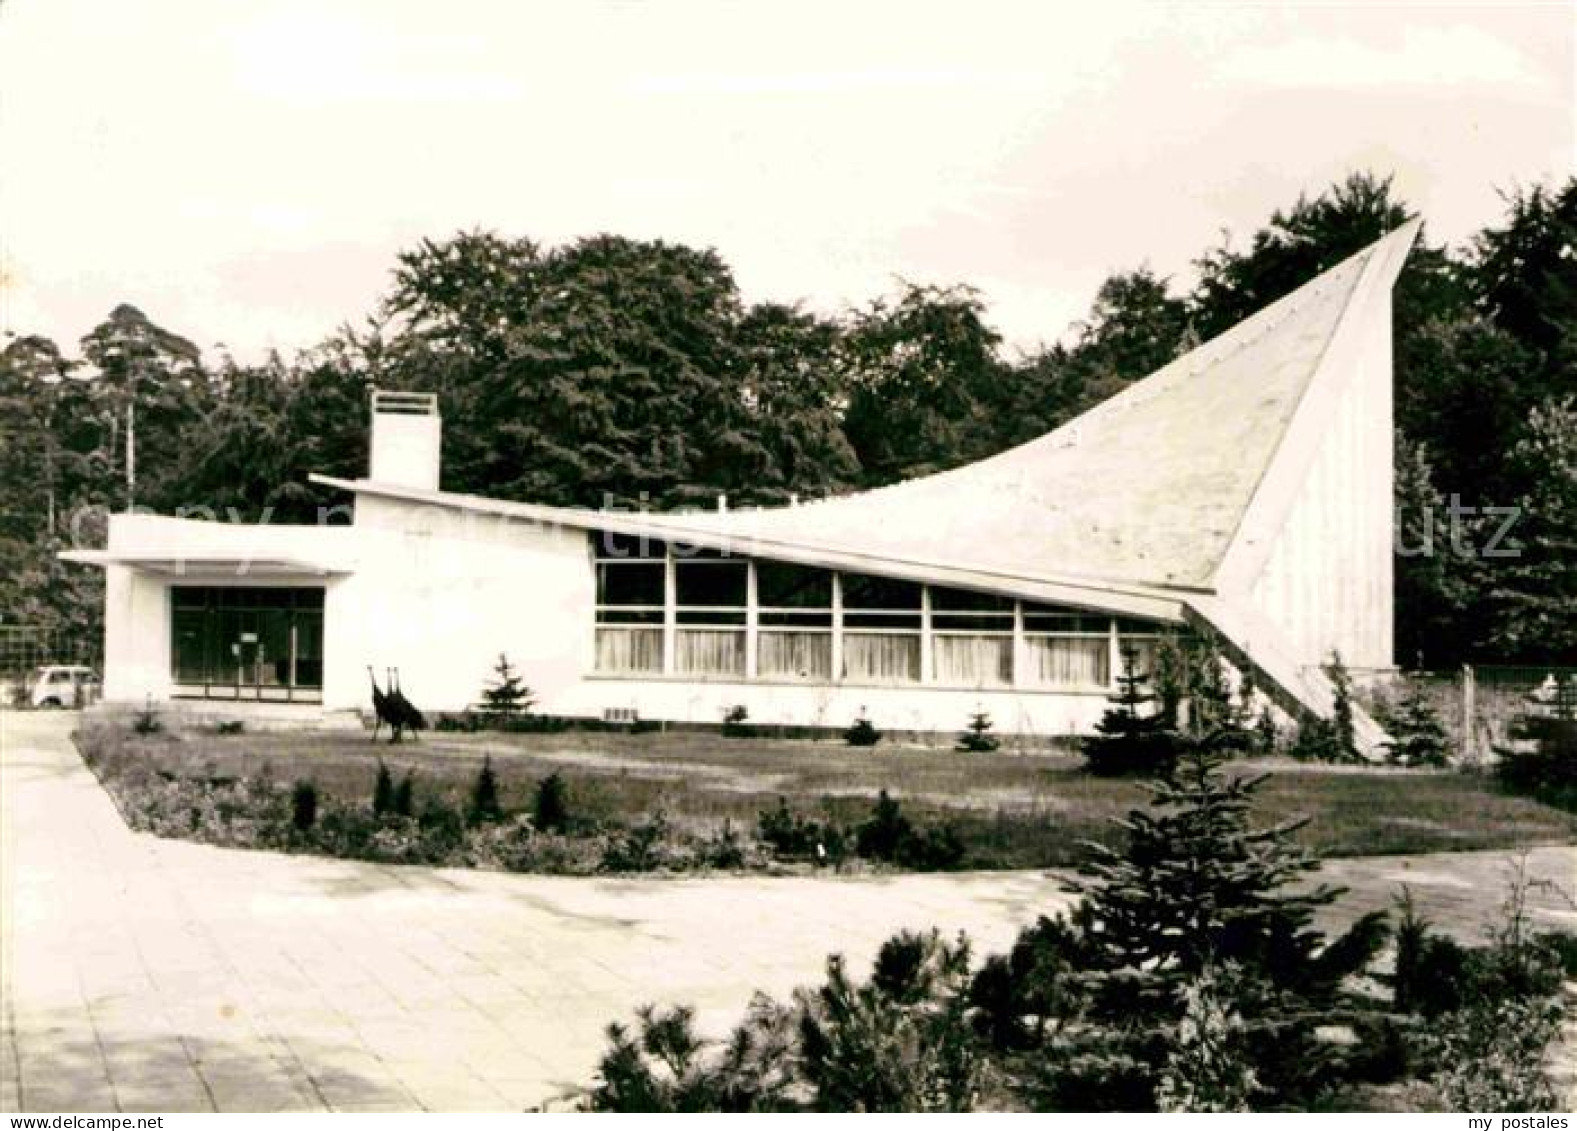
383,791
862,732
1418,737
1131,737
403,803
736,722
977,737
146,721
507,697
1343,733
484,796
304,806
550,810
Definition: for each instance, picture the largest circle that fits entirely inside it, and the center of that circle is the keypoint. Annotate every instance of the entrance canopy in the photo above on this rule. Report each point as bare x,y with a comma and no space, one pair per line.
207,564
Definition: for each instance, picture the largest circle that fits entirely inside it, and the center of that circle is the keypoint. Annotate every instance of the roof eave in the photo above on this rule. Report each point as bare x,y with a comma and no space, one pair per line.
1144,599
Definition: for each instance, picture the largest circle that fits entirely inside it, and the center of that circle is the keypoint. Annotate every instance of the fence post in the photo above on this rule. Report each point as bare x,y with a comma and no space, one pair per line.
1469,694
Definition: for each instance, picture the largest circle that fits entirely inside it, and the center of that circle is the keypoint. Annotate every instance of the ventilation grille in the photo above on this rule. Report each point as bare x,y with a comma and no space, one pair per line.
404,404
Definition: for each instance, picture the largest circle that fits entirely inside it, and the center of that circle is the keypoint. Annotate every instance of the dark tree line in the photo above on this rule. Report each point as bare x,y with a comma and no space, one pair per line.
626,371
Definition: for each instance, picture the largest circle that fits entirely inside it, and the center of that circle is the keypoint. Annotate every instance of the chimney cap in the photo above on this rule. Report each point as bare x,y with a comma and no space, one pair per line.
404,404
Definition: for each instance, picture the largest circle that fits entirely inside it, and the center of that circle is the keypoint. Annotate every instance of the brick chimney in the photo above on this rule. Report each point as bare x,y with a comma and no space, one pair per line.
407,439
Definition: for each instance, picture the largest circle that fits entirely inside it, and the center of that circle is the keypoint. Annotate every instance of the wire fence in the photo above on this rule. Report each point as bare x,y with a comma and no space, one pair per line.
1481,703
25,647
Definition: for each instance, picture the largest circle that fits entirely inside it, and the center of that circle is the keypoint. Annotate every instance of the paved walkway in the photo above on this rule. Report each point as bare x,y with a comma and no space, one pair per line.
141,974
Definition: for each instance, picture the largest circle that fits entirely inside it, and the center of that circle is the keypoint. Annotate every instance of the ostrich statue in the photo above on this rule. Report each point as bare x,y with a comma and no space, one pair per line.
381,706
404,715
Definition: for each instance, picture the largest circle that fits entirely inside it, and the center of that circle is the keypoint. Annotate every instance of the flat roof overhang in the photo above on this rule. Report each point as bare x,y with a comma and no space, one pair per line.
1157,602
210,565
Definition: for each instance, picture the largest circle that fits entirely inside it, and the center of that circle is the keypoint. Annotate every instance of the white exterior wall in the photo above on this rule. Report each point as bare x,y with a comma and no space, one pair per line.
438,593
137,601
407,449
786,704
136,636
1327,581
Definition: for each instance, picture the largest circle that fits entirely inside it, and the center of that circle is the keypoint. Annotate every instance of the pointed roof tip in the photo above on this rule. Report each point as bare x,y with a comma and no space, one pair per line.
1205,427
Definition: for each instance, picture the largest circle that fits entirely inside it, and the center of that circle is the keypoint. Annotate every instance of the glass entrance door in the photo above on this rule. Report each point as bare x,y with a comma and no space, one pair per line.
234,642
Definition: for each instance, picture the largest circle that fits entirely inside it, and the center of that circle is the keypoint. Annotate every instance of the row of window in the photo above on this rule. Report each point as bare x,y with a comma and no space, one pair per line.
708,615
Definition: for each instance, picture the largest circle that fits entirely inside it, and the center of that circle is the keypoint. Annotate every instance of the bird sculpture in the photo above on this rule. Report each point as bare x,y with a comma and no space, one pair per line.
404,714
380,706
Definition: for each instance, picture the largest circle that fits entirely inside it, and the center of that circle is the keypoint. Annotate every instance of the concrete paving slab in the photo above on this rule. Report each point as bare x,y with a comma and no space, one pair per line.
144,974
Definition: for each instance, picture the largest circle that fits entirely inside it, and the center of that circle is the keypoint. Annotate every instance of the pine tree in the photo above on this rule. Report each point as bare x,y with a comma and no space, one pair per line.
1418,737
1130,738
485,805
383,791
977,737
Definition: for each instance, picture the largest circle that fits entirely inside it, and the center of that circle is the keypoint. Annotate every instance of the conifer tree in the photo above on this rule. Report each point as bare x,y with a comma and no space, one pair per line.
1343,736
507,696
383,791
1131,737
1196,883
1198,887
485,804
403,803
977,737
1418,737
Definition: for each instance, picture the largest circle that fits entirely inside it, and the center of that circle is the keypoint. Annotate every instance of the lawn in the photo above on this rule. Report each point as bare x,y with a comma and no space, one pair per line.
1011,810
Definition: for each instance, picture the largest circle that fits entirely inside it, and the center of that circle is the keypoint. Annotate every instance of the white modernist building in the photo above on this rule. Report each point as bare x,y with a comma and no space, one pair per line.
1244,489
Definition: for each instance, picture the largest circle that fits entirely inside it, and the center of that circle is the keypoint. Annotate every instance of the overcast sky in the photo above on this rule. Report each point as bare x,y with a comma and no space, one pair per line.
245,171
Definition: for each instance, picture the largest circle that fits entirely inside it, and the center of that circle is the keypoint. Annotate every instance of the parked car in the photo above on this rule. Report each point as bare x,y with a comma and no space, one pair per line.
64,685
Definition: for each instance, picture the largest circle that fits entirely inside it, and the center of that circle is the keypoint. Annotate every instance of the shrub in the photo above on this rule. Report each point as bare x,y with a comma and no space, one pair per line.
1267,736
1544,763
1196,887
146,721
403,802
304,806
665,1067
1491,1056
442,825
1342,732
880,836
639,848
937,849
862,732
977,737
227,728
550,808
1209,1067
383,791
726,849
735,724
889,837
485,805
793,837
901,1042
1017,996
1431,975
